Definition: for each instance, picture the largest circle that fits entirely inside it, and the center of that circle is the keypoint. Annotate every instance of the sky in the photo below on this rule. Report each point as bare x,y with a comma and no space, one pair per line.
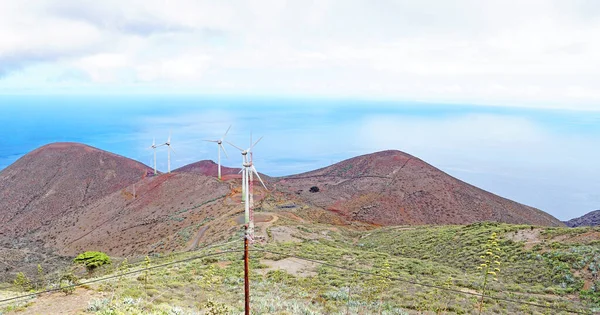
501,94
509,53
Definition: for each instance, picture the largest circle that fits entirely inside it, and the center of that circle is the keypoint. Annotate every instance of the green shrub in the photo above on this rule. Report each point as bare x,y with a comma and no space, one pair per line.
92,260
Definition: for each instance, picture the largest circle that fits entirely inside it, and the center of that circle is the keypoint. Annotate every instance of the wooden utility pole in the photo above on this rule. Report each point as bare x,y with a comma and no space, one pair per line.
246,273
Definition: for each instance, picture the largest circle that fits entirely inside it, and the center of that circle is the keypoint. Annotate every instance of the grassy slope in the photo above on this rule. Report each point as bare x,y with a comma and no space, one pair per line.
557,267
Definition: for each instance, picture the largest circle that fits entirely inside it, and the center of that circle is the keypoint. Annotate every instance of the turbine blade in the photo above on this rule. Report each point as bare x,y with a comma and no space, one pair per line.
241,170
153,141
169,140
256,142
223,148
261,181
225,135
235,146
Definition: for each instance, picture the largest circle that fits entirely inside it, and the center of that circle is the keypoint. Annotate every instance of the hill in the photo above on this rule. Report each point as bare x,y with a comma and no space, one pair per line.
588,219
168,212
393,188
207,168
65,198
59,178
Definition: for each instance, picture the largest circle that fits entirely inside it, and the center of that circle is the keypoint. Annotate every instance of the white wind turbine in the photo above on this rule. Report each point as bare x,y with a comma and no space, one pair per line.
247,170
153,147
168,144
219,148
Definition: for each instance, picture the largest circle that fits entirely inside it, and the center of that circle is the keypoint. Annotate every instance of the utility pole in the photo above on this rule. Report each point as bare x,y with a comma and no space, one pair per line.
246,272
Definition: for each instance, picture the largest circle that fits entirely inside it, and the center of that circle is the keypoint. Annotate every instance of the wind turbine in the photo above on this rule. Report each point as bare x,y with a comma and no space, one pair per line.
153,147
248,170
219,148
168,144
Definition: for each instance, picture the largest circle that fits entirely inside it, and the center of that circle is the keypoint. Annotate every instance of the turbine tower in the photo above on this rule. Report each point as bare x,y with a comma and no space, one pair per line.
168,144
219,148
153,147
243,170
248,170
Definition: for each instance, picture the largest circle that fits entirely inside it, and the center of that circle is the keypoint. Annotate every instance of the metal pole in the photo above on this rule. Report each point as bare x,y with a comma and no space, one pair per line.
219,166
246,273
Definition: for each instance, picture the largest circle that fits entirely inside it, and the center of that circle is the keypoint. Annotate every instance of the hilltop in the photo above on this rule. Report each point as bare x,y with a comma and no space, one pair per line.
207,168
588,219
58,178
394,188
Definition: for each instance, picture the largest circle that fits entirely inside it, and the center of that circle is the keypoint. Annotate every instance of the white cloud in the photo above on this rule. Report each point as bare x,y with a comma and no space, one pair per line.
534,53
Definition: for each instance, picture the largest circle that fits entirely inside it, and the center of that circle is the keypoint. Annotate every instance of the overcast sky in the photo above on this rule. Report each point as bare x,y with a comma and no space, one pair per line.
509,53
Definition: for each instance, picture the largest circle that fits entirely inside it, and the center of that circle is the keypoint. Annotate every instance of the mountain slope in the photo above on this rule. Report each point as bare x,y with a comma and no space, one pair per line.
57,178
393,188
168,212
589,219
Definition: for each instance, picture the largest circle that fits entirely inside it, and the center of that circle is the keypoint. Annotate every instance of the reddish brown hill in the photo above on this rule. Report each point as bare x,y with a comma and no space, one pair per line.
207,168
392,187
59,178
168,212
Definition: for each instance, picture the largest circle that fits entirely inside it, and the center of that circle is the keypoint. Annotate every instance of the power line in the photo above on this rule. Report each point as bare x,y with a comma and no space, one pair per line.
131,272
301,258
423,284
120,275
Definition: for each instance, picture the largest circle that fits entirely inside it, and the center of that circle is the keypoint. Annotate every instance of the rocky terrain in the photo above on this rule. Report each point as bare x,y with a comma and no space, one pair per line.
589,219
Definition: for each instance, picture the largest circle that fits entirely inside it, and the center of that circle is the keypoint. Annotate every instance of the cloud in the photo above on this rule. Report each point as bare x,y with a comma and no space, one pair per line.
534,53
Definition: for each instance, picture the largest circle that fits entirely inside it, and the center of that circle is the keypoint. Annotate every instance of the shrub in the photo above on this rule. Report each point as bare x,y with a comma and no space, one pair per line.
314,189
22,282
490,264
67,283
92,260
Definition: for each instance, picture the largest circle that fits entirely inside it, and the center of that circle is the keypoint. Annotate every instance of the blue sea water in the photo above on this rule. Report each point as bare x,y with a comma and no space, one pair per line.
544,158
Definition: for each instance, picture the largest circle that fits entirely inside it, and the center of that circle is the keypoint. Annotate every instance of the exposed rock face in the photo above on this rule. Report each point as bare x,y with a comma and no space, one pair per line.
392,188
589,219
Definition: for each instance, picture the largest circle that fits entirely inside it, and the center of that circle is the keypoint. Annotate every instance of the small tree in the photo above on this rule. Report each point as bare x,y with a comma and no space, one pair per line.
41,278
22,282
92,260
